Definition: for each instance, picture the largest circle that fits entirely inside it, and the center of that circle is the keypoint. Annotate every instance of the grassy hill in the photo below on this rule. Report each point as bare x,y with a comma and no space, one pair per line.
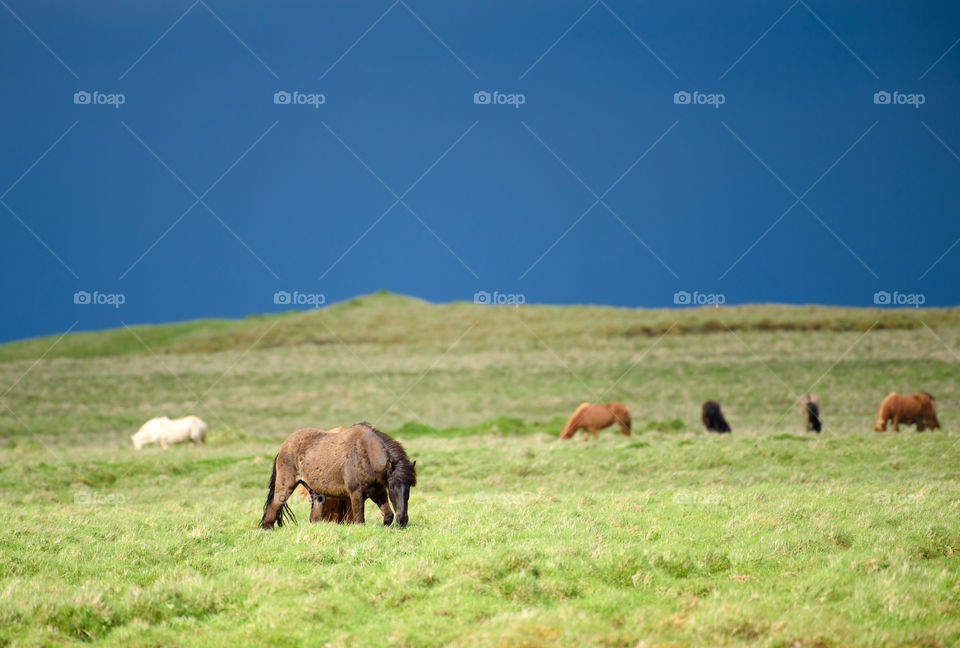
769,536
384,318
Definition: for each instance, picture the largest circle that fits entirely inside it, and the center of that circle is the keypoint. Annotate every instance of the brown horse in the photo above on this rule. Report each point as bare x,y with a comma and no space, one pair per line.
328,509
591,418
359,463
907,408
810,410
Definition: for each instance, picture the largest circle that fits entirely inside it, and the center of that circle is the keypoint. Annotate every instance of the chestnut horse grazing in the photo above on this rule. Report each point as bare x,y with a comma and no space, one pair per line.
591,418
907,408
359,463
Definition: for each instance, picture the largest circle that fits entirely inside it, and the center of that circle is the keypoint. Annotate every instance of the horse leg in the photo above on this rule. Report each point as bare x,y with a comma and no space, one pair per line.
356,502
896,422
593,431
380,499
282,490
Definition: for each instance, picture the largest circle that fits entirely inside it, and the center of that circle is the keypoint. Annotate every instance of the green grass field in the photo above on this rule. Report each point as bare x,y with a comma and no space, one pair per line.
771,536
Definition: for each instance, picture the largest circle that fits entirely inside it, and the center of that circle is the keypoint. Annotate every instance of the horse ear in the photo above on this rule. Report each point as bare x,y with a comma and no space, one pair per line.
414,466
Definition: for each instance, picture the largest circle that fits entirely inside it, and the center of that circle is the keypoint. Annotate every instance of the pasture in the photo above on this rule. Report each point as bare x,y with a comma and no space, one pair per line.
769,536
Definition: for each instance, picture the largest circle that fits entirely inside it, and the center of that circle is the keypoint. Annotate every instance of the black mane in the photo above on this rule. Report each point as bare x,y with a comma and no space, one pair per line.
402,471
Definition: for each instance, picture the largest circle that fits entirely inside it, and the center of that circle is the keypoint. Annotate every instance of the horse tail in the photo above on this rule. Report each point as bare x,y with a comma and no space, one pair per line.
622,414
573,423
722,425
285,513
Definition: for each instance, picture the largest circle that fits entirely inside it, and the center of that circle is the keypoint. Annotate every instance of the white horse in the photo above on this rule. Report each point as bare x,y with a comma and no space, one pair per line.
166,433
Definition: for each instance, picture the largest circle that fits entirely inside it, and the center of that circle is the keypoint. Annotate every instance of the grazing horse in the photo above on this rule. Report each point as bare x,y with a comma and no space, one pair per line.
810,409
166,433
916,408
591,418
328,509
359,463
713,418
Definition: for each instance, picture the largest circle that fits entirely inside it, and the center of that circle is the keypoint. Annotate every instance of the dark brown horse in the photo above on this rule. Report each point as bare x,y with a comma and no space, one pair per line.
810,409
350,466
331,509
712,417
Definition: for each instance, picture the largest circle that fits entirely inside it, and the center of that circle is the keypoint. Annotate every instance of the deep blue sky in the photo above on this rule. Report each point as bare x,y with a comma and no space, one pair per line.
800,98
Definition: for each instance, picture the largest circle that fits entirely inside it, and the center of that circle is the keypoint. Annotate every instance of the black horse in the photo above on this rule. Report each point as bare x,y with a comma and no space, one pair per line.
810,408
713,418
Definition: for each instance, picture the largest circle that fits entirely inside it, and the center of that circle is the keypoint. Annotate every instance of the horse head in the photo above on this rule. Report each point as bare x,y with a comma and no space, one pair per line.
402,478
